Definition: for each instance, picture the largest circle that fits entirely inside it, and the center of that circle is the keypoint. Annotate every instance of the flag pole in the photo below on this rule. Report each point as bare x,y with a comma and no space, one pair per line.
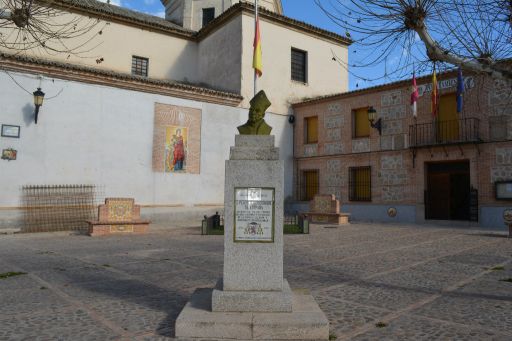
255,30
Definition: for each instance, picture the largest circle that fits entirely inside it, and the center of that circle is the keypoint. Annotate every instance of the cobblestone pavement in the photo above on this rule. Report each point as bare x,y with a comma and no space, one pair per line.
374,282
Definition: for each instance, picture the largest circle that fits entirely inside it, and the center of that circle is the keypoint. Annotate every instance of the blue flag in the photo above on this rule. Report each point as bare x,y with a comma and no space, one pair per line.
460,90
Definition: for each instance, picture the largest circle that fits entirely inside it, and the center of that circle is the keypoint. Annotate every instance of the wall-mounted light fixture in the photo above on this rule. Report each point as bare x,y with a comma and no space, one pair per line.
38,101
372,116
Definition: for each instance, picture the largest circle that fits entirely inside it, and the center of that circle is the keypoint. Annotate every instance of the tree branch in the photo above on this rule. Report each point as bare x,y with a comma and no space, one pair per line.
436,53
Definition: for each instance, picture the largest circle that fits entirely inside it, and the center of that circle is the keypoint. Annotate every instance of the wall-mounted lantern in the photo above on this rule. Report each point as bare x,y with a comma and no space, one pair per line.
372,116
38,101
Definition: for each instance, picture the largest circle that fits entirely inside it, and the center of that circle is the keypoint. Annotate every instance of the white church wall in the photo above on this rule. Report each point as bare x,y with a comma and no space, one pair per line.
324,75
103,135
220,56
170,57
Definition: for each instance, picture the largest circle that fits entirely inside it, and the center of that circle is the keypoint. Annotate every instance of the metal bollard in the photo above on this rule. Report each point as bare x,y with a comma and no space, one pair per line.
304,223
507,216
204,226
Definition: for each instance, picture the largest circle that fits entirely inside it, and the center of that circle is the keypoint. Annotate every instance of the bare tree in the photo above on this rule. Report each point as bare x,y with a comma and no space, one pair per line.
47,25
473,34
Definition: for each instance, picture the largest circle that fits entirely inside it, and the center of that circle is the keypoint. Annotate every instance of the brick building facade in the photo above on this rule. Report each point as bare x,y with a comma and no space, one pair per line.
426,169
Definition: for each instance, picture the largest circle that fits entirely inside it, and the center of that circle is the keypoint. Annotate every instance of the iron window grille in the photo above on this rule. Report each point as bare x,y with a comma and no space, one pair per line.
299,65
309,186
208,15
360,183
140,66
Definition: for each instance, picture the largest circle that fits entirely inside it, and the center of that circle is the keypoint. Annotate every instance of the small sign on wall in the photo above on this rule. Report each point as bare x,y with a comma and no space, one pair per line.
9,154
503,190
10,131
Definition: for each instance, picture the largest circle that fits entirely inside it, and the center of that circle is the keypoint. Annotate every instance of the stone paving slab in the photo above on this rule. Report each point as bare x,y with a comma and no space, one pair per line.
187,280
141,314
60,325
467,309
375,294
18,282
421,283
486,288
122,288
313,280
408,328
345,316
26,301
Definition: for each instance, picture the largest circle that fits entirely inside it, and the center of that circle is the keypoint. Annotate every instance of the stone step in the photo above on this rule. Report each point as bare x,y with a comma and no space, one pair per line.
305,322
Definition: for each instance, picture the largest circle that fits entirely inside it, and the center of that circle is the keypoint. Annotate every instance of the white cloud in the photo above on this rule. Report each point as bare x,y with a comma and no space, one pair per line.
160,14
113,2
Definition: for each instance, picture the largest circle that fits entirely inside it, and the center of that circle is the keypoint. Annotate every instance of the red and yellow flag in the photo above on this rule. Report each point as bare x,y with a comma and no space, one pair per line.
256,60
435,94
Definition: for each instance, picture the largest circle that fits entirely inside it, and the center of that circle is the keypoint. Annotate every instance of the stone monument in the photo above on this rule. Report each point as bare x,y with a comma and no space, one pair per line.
253,301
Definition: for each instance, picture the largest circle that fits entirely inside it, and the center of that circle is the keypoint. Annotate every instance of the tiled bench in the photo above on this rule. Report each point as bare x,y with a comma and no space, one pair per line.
326,209
118,216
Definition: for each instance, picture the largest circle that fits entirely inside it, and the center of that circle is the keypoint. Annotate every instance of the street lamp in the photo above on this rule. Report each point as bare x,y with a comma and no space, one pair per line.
372,115
38,100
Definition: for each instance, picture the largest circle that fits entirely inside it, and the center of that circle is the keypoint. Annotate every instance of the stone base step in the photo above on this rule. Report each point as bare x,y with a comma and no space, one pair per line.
305,322
252,301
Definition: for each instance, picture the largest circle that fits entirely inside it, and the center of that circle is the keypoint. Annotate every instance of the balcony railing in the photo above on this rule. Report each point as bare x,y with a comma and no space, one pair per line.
464,130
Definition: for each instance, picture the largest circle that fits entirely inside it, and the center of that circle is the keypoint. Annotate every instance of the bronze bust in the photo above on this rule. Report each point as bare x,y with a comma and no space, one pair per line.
256,124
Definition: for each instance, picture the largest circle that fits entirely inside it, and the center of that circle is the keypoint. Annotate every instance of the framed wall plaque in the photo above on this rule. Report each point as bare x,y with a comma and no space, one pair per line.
9,154
10,131
254,215
503,190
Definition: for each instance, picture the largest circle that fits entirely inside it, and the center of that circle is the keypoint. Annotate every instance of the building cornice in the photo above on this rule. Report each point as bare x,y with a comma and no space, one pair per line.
124,16
91,75
248,8
133,18
377,88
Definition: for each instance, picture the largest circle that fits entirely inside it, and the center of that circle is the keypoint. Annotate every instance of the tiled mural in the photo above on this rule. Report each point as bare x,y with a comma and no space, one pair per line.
176,139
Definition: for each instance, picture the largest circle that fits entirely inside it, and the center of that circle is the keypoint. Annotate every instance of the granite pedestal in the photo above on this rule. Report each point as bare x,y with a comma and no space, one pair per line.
252,300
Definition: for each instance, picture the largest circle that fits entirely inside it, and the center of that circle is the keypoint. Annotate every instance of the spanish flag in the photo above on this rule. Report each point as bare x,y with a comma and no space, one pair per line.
435,94
256,60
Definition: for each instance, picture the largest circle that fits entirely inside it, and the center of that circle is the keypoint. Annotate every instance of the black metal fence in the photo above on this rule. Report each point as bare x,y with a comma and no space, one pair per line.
59,207
215,224
444,132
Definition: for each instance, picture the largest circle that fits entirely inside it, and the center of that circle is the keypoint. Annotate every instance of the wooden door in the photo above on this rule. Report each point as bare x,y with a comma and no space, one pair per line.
448,119
439,196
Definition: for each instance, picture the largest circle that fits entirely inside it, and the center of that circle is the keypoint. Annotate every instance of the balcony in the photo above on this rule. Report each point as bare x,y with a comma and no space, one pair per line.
438,133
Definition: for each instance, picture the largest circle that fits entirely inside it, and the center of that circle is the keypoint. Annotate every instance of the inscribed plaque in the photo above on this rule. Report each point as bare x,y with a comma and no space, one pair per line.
254,215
